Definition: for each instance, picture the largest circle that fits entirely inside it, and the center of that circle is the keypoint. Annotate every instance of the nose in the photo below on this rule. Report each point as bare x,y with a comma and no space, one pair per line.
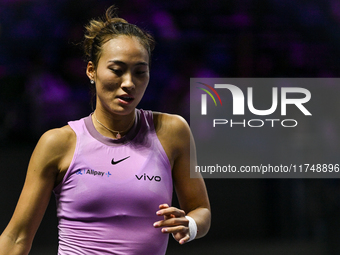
127,81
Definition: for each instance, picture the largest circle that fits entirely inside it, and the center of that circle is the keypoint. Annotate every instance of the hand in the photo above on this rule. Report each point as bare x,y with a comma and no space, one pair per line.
174,222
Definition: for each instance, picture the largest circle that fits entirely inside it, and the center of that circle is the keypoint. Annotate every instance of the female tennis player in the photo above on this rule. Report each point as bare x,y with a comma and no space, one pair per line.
113,172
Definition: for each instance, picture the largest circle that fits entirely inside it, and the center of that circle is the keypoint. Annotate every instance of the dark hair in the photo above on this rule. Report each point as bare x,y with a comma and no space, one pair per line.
99,31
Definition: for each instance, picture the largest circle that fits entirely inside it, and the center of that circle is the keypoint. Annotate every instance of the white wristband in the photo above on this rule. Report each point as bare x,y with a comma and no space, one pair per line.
192,228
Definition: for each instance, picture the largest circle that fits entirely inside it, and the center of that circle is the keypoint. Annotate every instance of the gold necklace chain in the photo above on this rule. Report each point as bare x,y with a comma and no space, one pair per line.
118,136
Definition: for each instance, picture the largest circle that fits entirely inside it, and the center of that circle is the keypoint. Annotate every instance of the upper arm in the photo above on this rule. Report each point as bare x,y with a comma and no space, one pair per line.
190,189
180,145
42,172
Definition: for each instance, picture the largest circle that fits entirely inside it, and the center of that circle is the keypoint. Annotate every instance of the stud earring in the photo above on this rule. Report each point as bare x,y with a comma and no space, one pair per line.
92,81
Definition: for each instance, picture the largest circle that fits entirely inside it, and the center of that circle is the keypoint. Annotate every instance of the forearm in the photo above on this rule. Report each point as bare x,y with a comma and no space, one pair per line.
202,217
13,246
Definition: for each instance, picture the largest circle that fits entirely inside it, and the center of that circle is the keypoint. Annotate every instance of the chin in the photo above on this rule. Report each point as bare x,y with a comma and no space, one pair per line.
123,110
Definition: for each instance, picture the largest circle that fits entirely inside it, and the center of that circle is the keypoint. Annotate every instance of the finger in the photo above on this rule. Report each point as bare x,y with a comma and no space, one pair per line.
181,237
172,222
163,206
178,229
171,211
184,239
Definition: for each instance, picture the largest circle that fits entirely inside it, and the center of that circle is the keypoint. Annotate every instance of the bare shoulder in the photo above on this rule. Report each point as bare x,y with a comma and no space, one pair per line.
55,148
58,138
59,134
171,124
174,134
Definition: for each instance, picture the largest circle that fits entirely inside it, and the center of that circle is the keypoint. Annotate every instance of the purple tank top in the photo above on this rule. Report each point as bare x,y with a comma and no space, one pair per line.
107,201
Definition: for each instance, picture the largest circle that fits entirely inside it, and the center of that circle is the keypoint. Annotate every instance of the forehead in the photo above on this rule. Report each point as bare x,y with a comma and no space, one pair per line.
124,48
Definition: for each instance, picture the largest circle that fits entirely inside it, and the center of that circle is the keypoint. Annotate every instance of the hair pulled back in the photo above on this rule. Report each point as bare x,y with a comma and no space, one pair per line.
101,30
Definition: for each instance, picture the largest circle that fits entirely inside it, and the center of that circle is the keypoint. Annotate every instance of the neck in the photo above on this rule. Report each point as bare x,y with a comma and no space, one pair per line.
113,126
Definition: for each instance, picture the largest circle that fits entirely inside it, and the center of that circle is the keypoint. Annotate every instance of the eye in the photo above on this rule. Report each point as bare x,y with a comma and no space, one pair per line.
141,72
117,72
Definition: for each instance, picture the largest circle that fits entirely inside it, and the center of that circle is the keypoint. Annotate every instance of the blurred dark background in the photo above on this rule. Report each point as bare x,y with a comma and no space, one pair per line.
43,85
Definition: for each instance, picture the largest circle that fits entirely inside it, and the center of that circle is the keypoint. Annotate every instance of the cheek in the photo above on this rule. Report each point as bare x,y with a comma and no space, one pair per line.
145,82
106,79
143,87
107,86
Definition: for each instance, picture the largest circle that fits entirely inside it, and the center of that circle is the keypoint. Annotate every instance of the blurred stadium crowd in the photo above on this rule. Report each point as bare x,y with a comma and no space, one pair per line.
42,73
43,85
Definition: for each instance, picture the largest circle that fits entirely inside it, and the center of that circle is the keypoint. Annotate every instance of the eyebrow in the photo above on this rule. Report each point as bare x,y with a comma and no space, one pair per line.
118,62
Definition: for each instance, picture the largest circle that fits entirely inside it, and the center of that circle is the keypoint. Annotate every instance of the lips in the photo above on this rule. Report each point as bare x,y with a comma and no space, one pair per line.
126,98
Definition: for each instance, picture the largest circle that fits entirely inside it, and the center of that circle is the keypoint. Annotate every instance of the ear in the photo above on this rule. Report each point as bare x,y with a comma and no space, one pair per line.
91,70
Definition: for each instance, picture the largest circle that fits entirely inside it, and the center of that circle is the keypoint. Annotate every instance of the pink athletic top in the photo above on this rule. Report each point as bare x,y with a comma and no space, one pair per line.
107,201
